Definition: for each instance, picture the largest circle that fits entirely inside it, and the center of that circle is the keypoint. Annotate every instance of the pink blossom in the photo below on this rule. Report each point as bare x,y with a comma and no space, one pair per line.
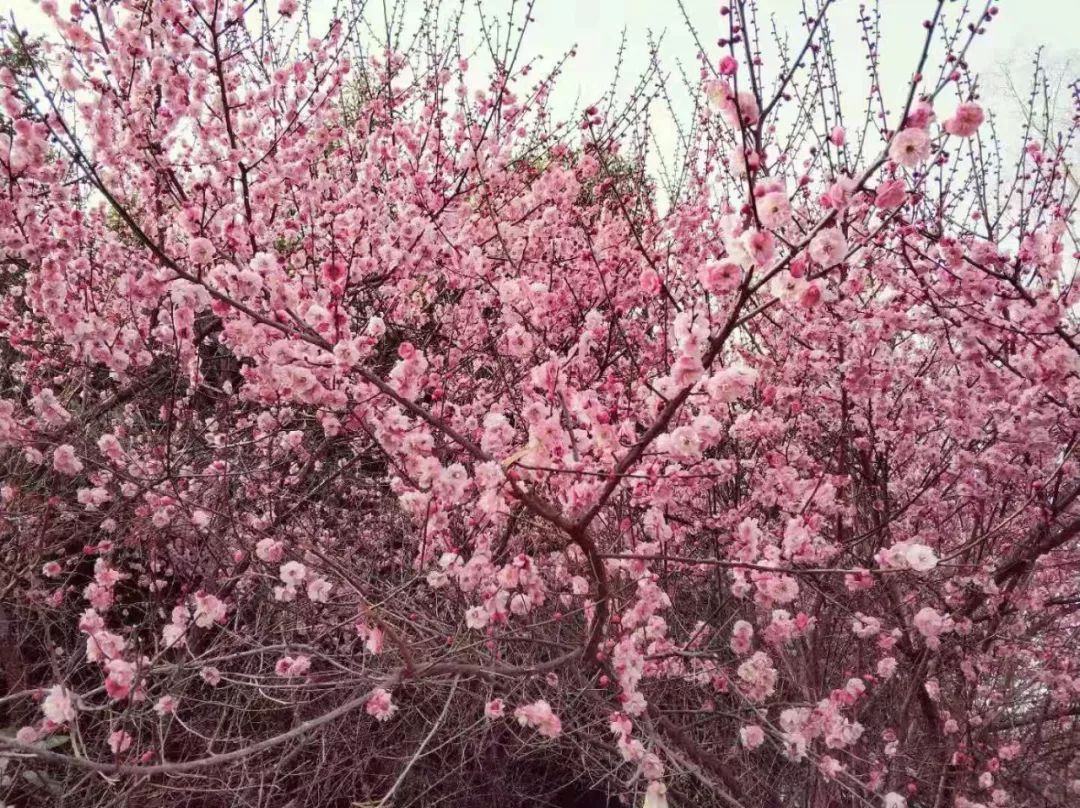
103,645
270,550
931,625
201,251
476,617
865,627
758,677
774,210
890,194
910,147
752,736
59,707
208,610
109,446
1010,751
28,735
372,636
830,766
292,573
531,399
720,277
290,667
921,115
119,741
540,717
966,121
380,706
920,558
210,675
742,634
318,590
761,246
828,247
120,675
650,282
735,107
65,461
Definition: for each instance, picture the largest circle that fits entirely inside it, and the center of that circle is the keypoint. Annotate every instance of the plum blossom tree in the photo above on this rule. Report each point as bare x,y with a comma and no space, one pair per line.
369,433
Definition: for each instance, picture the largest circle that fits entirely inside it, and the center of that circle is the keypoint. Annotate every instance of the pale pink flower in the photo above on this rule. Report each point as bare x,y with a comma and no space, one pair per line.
166,705
742,635
103,645
830,766
731,105
51,569
59,707
318,590
920,116
119,741
966,121
290,667
744,106
65,461
120,675
28,735
865,627
380,706
761,247
686,370
752,736
890,194
110,447
838,196
208,610
920,558
684,444
495,709
270,550
292,573
200,251
373,637
210,675
650,281
1010,751
909,147
476,617
720,277
540,717
931,624
828,247
758,677
887,667
774,210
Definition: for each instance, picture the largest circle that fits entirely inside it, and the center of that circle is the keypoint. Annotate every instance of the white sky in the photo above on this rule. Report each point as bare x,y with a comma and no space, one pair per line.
1012,39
